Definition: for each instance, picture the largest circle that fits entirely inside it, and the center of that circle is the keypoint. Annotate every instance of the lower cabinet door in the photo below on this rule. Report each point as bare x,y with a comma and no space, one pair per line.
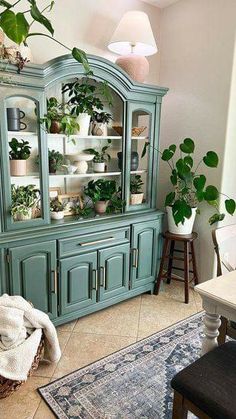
113,271
33,275
144,252
78,282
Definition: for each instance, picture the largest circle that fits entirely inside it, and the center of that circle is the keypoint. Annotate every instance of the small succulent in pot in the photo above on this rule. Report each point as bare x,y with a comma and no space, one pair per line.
24,200
100,192
57,209
136,194
99,122
100,157
55,160
18,154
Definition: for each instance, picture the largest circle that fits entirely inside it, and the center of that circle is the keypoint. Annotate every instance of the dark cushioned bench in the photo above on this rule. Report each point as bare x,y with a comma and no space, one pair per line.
208,386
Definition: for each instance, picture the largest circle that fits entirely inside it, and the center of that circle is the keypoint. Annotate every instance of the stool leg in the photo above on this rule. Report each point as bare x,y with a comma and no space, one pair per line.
158,282
179,410
170,263
186,272
195,272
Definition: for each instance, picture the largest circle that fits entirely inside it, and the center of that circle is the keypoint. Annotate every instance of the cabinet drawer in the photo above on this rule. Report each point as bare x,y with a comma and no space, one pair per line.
79,244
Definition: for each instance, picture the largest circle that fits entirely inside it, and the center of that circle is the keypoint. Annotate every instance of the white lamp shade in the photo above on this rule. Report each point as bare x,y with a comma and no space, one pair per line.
133,35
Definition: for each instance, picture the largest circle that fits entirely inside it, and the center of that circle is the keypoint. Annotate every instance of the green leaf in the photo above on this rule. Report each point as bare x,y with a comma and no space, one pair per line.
169,199
37,15
188,161
5,3
211,193
174,177
182,167
81,57
230,206
211,159
180,211
166,155
187,146
199,182
15,26
216,218
172,148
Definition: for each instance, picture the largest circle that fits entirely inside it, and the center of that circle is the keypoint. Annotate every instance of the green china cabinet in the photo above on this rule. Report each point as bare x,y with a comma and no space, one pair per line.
88,260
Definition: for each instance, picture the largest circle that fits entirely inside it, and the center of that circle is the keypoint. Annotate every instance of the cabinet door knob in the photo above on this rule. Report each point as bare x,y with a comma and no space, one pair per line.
95,276
135,258
102,277
54,275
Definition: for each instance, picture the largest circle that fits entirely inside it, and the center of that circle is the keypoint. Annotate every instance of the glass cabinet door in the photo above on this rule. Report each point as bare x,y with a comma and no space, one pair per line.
24,160
140,169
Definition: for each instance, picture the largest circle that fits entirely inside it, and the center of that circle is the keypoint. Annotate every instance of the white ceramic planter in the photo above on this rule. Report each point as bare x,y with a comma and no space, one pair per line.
100,207
18,167
22,217
181,229
83,120
57,215
100,129
136,198
99,167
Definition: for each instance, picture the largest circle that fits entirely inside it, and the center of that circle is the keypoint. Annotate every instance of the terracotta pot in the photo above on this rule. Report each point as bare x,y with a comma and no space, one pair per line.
182,229
18,167
100,207
55,127
136,198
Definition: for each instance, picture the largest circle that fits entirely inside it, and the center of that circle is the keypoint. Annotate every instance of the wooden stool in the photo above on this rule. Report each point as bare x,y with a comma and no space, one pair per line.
187,241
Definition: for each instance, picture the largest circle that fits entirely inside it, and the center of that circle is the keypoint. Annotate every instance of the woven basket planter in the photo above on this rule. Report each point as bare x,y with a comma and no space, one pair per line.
8,387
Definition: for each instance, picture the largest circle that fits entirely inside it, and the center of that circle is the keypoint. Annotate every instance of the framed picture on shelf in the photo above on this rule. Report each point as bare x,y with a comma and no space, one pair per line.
54,193
70,199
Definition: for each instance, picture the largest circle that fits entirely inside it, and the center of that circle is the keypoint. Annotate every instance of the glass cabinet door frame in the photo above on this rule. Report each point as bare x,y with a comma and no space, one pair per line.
39,98
149,109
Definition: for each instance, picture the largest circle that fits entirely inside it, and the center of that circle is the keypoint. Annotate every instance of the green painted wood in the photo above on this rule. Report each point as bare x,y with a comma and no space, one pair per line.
113,271
145,244
78,282
32,275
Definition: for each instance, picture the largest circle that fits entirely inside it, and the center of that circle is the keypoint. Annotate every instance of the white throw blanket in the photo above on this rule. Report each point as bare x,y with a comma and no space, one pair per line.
21,328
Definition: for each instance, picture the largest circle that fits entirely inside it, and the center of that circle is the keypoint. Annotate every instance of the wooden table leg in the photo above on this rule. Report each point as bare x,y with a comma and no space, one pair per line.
212,323
158,282
170,263
186,272
195,272
179,410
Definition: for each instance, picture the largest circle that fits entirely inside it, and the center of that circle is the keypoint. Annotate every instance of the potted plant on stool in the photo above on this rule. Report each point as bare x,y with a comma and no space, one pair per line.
100,157
136,194
18,154
189,187
100,192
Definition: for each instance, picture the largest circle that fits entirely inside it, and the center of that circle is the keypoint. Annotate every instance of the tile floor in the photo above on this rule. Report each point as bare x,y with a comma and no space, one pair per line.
97,335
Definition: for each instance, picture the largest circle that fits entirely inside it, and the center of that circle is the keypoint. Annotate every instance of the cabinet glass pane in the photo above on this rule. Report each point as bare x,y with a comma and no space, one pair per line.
24,158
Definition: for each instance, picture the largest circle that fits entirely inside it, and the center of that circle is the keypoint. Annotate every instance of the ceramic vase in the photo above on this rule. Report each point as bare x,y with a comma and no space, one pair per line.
99,167
99,129
136,198
83,119
18,167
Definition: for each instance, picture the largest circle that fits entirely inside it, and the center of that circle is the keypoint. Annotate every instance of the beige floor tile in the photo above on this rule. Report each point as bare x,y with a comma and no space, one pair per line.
24,402
198,301
46,369
119,320
43,412
68,327
83,349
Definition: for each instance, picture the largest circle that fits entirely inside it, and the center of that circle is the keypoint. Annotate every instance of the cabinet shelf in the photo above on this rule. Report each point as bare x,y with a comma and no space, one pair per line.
93,174
76,136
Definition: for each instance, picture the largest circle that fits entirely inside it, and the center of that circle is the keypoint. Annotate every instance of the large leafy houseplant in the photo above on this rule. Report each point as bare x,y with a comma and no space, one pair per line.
17,23
82,97
189,186
100,191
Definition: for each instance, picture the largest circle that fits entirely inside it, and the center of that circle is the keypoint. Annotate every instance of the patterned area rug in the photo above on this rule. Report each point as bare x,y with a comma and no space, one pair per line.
132,383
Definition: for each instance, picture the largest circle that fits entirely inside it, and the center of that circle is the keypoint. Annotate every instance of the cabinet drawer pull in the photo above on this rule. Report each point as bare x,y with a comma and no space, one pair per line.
135,258
95,273
95,242
54,273
103,277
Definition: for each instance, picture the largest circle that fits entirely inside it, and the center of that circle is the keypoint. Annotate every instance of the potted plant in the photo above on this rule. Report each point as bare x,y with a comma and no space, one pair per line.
18,154
83,102
136,194
99,122
82,210
100,192
55,161
52,119
100,157
57,209
24,199
189,187
116,203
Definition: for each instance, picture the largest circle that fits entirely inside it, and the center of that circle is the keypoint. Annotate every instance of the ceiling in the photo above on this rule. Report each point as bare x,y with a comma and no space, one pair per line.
160,3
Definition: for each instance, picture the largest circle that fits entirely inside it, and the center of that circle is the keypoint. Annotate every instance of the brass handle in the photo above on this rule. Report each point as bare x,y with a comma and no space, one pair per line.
135,258
96,279
102,276
55,281
95,242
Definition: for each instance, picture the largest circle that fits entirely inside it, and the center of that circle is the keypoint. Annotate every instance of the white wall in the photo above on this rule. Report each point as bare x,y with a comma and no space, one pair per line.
197,46
89,25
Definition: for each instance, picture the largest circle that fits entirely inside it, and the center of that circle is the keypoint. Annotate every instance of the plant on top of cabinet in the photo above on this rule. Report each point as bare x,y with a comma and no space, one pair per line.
136,194
57,209
24,200
100,157
99,121
83,102
100,192
55,161
189,187
18,154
